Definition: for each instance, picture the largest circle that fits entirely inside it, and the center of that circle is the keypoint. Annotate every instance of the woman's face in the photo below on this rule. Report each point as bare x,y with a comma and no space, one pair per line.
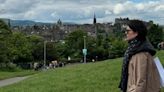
130,34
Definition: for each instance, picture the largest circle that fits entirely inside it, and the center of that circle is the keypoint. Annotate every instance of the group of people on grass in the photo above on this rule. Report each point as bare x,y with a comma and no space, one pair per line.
55,64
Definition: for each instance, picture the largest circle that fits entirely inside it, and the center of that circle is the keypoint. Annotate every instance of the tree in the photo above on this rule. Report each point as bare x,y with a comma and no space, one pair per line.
51,53
63,50
120,33
118,47
20,48
91,47
99,39
107,43
101,31
155,34
37,46
95,47
5,33
75,42
34,39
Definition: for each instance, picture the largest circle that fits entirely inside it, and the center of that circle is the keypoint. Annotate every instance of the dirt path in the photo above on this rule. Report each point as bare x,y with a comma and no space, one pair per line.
12,80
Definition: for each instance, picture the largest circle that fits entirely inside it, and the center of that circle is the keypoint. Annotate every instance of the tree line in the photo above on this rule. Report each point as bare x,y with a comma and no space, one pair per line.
18,48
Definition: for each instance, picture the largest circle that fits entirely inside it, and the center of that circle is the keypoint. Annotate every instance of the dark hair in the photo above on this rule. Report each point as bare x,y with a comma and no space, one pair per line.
138,26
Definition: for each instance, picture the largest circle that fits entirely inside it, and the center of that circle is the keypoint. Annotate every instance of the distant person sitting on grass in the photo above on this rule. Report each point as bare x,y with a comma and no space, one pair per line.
162,45
60,64
69,59
50,66
64,63
56,65
96,58
159,46
36,66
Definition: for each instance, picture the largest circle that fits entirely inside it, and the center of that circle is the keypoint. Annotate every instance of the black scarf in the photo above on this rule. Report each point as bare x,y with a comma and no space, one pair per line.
127,56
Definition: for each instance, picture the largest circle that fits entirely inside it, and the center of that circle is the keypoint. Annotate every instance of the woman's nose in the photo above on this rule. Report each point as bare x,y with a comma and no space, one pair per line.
125,32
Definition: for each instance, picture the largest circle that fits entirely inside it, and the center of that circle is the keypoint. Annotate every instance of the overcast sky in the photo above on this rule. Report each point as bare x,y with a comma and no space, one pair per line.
82,11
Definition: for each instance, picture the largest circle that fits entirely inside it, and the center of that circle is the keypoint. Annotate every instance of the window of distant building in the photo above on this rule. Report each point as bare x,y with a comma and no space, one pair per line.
89,33
65,31
32,32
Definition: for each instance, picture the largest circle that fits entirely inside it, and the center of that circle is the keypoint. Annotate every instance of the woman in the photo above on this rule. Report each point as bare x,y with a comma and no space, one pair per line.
162,45
159,46
139,71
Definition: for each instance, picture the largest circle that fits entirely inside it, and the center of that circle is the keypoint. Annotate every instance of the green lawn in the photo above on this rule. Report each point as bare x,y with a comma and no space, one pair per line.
6,75
160,55
91,77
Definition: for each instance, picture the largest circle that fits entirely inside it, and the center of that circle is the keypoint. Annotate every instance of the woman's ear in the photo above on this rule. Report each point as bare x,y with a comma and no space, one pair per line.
136,33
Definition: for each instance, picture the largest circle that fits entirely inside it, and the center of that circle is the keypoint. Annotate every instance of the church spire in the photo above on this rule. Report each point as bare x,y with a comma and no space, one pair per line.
94,20
59,22
9,23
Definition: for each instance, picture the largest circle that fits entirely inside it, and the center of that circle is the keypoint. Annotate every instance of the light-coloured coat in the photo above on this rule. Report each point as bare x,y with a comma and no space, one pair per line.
162,45
143,74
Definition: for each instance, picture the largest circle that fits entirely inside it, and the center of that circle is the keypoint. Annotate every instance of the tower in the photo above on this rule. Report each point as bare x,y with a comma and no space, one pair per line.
9,23
94,23
59,22
94,20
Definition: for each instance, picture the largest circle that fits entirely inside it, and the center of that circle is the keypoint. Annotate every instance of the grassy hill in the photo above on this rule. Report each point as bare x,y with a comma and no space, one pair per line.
91,77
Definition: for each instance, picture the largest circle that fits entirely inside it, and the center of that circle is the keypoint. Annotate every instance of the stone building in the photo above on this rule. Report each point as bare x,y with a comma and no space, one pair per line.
121,23
57,32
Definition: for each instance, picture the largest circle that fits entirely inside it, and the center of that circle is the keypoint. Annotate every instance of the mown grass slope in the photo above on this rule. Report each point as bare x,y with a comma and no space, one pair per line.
91,77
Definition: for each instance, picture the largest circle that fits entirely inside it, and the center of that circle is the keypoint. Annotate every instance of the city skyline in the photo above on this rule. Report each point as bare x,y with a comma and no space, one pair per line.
82,11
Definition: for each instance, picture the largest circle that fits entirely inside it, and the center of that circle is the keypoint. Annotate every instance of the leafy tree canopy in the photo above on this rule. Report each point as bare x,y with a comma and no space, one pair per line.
5,33
155,34
20,48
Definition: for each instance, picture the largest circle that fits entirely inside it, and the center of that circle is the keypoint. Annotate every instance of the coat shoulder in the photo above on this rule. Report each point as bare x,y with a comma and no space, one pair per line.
142,55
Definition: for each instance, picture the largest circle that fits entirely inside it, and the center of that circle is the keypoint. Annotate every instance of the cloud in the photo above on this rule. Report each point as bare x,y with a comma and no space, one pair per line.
54,14
18,6
151,10
2,1
81,11
118,9
107,12
30,14
140,6
159,8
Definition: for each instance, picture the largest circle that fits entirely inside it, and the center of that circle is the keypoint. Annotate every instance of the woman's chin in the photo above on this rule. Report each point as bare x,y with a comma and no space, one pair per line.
127,38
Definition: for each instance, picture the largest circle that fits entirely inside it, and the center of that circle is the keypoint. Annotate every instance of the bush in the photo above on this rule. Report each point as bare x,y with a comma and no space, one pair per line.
111,56
62,59
26,65
9,67
76,60
73,60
